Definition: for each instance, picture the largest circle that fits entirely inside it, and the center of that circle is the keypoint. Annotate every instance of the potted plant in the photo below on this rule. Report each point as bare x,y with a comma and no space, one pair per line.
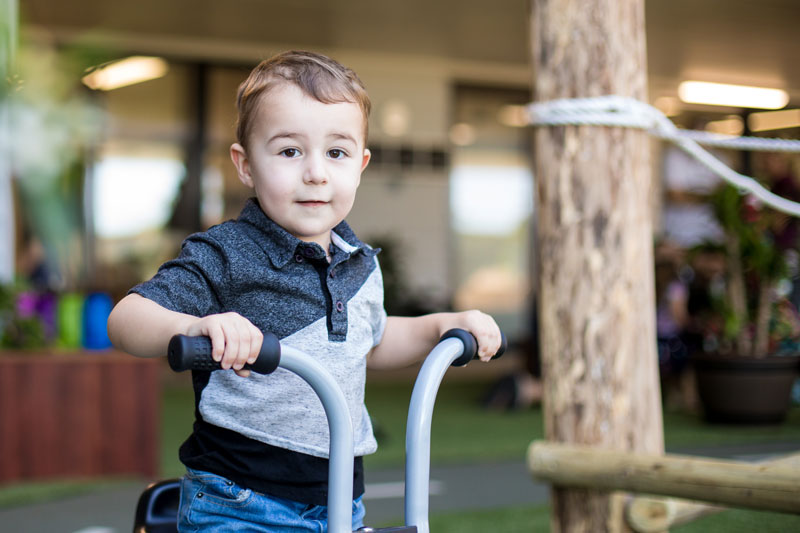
21,326
748,366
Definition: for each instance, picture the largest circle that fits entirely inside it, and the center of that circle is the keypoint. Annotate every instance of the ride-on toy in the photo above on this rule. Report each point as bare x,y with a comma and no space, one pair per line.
158,504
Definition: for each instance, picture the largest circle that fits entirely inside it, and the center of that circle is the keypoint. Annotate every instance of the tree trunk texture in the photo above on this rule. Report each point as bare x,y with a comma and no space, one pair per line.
595,248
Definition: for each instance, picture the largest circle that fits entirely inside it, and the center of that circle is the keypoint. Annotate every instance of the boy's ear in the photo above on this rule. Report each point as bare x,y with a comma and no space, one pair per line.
365,159
242,164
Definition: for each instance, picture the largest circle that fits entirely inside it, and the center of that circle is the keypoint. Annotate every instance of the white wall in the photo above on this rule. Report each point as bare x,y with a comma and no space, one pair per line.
413,209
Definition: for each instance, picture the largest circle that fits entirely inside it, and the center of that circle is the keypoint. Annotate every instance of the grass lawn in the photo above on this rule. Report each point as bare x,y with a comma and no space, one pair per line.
462,431
535,519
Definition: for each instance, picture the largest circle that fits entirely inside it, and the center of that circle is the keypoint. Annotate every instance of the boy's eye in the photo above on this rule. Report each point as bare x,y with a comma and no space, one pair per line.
290,152
335,153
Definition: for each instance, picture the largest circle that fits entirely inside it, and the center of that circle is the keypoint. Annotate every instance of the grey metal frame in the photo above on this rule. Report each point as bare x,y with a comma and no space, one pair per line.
418,433
340,465
418,430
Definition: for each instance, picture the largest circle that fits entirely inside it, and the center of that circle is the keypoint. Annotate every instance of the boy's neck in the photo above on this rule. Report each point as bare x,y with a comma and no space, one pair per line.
325,244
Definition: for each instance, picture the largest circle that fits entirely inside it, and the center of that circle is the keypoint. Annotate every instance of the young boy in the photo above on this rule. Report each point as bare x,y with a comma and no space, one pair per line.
257,457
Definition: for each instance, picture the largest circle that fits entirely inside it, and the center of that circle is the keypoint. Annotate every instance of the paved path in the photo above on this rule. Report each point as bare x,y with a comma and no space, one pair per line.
471,487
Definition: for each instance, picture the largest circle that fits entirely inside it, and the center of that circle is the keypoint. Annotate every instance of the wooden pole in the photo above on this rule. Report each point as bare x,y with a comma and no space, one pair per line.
595,257
769,487
650,514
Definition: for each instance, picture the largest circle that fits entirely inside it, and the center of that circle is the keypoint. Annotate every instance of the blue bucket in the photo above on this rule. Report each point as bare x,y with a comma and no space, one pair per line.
96,309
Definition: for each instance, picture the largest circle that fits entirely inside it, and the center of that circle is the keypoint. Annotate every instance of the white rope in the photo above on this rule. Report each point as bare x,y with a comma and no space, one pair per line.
617,111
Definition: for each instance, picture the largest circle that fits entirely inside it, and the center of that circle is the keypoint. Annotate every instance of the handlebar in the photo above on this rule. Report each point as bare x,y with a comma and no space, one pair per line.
194,353
471,345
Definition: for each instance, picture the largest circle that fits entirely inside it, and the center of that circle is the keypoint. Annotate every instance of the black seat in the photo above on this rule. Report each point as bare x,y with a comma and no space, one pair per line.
157,510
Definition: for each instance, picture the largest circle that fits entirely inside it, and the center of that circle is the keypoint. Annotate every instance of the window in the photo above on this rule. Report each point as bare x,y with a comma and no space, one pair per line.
491,205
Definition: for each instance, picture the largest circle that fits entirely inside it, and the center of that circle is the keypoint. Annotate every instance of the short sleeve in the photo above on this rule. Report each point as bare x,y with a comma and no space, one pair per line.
379,328
192,282
379,316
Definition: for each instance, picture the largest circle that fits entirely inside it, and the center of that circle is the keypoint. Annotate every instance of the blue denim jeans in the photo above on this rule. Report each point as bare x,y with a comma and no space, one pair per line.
213,503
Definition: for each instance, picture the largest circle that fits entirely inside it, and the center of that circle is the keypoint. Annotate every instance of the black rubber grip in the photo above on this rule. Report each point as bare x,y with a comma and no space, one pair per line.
471,345
194,353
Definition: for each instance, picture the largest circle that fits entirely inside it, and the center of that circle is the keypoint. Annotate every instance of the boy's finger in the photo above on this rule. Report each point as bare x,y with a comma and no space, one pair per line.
256,338
242,373
492,345
231,350
487,353
245,347
217,344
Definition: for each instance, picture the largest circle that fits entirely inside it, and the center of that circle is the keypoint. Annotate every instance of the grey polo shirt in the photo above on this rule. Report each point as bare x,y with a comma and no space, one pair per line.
270,433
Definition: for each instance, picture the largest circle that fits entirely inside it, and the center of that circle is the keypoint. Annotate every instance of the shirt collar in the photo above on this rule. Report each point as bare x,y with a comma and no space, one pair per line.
281,246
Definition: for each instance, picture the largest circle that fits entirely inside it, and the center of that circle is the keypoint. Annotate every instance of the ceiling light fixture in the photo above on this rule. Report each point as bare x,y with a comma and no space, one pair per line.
723,94
774,120
122,73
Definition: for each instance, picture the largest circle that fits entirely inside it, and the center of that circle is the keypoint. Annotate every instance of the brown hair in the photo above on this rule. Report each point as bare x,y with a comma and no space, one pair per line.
318,76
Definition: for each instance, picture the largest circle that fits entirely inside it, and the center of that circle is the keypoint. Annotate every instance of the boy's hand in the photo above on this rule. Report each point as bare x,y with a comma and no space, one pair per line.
480,325
234,340
407,340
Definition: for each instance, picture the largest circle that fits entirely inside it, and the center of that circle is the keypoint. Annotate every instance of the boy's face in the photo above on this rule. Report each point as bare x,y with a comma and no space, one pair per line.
304,161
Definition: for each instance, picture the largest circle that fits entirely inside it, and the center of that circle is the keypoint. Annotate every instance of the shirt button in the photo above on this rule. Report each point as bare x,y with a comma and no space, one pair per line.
339,306
308,251
298,258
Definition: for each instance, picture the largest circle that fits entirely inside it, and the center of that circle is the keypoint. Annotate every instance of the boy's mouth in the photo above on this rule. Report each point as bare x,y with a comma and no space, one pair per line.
312,203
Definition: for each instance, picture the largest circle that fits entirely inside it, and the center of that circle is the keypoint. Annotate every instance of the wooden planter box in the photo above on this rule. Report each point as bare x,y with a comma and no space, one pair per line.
77,415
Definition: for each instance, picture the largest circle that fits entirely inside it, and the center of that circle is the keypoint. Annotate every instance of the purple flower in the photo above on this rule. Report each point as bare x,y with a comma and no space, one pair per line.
26,304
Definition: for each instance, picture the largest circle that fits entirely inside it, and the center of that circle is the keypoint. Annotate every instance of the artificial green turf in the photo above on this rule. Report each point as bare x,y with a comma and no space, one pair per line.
526,519
31,492
742,521
177,417
683,429
462,431
536,519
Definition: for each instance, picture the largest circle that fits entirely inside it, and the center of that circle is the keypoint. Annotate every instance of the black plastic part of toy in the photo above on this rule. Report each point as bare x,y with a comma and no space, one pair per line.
157,509
194,353
471,345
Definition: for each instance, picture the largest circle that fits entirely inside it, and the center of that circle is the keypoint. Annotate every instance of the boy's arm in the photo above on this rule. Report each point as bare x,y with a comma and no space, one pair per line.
407,340
143,328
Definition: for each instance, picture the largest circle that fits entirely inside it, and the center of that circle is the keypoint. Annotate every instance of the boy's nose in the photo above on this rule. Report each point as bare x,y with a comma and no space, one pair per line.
314,171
